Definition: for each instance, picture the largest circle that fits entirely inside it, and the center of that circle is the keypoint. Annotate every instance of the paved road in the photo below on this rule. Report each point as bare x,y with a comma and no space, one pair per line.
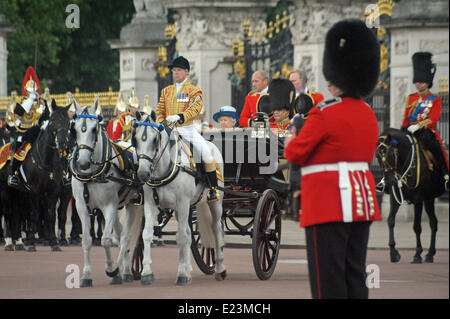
43,275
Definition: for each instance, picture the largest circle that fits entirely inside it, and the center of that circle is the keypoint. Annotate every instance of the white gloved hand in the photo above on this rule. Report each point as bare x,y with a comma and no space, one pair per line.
413,128
28,103
173,118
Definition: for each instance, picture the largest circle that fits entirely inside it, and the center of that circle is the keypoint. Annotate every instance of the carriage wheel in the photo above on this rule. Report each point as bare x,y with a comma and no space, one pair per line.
204,257
266,234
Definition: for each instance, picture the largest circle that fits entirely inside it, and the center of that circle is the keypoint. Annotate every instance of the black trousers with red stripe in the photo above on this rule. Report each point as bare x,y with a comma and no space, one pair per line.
337,259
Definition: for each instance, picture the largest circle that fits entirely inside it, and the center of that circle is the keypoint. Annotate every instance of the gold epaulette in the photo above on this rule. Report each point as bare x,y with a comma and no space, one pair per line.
252,92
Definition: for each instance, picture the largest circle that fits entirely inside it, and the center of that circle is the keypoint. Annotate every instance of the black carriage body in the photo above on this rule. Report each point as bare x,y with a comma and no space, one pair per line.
250,163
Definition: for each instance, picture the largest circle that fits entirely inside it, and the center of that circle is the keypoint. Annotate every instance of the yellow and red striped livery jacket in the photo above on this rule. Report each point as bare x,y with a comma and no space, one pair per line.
172,103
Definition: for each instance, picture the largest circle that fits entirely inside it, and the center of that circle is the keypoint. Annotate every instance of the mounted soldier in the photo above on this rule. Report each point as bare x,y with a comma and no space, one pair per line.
27,116
423,110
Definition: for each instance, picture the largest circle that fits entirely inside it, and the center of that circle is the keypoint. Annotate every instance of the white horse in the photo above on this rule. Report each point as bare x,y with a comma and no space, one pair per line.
96,184
169,186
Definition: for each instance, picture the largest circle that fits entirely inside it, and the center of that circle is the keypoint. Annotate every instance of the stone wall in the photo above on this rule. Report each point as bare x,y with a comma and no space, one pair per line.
5,28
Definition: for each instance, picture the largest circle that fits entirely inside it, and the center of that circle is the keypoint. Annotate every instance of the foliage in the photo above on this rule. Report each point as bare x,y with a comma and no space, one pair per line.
66,59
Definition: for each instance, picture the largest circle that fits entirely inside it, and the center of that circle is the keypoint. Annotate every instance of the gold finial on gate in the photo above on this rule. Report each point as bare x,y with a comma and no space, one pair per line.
247,27
277,24
169,31
270,30
285,19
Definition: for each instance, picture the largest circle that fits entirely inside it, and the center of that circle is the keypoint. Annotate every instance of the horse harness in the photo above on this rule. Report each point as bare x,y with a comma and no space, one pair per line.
37,160
407,176
100,175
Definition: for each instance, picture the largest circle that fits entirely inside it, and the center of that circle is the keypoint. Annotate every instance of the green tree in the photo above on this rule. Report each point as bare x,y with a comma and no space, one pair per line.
67,58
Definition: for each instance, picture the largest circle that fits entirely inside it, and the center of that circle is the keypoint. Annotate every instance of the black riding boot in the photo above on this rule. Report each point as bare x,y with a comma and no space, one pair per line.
13,178
213,193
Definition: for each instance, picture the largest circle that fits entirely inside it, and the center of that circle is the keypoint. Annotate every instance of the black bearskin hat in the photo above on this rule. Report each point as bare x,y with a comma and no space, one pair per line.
351,60
423,68
282,94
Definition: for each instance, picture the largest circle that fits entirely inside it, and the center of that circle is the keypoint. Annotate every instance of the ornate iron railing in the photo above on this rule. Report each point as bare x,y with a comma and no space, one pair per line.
268,47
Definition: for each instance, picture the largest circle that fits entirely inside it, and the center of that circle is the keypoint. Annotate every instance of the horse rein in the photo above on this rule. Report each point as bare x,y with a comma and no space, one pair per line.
387,167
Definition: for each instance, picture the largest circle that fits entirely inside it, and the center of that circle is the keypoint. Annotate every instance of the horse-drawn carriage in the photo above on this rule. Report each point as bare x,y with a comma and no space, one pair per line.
255,193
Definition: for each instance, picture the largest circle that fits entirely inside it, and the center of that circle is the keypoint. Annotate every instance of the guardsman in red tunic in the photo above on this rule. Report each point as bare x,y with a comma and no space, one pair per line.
423,110
260,81
334,148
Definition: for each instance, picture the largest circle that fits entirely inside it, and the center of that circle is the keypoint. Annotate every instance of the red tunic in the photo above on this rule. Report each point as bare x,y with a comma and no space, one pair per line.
249,109
317,97
343,131
425,111
117,133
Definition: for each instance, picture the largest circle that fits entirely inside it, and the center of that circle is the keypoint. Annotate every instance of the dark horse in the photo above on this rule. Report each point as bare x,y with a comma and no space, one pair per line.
43,172
407,176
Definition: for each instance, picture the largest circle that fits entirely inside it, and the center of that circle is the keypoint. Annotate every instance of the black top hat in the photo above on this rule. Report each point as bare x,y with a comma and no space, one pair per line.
351,60
180,62
424,69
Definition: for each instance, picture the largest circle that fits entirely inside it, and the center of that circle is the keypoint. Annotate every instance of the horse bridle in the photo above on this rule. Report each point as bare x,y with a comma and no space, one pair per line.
385,164
86,116
158,128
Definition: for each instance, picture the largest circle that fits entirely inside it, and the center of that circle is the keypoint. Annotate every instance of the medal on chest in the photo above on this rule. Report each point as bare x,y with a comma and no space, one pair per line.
183,97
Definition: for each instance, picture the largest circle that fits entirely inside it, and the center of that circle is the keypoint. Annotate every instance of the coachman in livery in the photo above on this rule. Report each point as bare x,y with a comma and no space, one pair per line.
423,110
180,103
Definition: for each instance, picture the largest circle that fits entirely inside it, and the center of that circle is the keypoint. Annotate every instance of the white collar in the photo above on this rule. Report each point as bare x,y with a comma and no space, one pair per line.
180,85
263,91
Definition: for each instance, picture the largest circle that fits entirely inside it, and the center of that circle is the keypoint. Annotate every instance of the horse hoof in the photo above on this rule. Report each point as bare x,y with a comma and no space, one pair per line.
183,281
220,276
127,278
416,260
85,283
113,273
9,247
19,247
160,243
30,248
429,259
56,248
63,242
395,257
116,280
147,279
137,276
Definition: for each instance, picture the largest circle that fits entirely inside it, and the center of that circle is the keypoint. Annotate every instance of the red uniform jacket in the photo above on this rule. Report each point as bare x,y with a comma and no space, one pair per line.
317,97
249,109
117,133
345,130
425,111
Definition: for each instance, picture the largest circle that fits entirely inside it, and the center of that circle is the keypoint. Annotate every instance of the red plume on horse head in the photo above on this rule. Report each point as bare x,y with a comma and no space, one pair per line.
29,84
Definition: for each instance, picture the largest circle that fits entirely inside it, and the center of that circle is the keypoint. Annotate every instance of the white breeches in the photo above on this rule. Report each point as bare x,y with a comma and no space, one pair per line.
191,135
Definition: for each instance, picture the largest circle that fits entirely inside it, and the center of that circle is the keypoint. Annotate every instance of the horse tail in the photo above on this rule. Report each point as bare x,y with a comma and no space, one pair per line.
205,226
136,226
204,214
